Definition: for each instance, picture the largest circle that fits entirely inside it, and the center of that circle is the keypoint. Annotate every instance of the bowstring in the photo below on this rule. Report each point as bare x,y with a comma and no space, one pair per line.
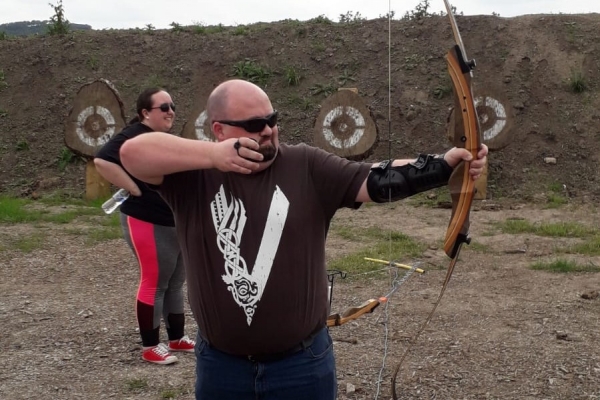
386,308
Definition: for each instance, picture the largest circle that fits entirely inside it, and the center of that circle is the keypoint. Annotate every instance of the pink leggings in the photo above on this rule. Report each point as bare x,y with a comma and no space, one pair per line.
160,292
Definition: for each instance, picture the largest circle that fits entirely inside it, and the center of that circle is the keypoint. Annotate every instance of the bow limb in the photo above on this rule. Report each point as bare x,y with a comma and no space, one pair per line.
352,313
467,135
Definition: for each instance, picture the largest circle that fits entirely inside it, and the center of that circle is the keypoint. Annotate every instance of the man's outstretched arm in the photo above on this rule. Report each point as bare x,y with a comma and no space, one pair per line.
377,182
151,156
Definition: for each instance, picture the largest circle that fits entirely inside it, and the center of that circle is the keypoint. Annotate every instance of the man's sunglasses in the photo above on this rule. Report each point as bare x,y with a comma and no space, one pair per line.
164,107
254,125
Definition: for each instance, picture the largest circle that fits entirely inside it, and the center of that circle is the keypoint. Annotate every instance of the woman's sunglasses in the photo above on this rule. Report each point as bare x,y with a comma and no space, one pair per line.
254,125
164,107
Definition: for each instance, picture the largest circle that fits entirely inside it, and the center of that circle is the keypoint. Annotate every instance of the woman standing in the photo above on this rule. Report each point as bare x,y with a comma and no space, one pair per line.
149,229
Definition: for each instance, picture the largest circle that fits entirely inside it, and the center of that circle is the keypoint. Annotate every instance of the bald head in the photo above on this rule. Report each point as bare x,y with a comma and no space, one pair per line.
238,108
233,97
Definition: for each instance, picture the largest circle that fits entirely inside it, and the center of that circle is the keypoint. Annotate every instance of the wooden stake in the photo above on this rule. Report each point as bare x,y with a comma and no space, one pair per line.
96,187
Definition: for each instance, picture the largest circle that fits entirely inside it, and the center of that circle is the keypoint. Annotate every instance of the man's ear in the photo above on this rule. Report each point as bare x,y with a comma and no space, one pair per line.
217,130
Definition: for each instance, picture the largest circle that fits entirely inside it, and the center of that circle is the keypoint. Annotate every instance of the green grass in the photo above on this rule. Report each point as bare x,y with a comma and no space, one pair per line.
577,82
357,234
16,210
479,247
61,198
324,89
103,234
556,196
136,384
22,145
66,157
413,61
67,216
318,46
555,200
47,210
292,76
201,29
590,247
558,229
376,243
564,266
321,19
28,243
113,220
107,228
168,394
215,29
93,62
240,30
346,77
303,103
252,71
13,210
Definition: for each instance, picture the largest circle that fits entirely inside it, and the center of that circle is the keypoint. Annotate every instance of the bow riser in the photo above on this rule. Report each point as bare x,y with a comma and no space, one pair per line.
462,187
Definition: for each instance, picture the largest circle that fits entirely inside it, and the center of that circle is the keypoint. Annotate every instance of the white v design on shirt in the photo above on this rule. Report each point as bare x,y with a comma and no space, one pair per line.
229,220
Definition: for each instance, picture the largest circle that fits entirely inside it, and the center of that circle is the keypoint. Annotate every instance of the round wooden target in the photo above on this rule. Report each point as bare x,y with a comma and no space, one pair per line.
345,127
494,121
198,127
97,114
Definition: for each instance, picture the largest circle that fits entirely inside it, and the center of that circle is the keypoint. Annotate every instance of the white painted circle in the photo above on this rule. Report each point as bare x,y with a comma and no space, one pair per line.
500,115
110,126
199,125
359,123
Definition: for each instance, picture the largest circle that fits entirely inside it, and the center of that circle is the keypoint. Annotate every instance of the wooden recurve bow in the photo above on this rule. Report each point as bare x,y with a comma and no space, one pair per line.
467,134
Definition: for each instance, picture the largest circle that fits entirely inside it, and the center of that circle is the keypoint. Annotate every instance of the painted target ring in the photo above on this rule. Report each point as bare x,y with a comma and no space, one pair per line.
492,116
348,122
95,126
199,127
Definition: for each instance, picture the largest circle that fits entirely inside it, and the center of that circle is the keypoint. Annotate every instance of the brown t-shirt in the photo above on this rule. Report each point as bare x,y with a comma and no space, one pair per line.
254,246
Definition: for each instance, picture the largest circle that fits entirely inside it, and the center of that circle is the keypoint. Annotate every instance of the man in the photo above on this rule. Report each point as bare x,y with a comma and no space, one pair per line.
252,217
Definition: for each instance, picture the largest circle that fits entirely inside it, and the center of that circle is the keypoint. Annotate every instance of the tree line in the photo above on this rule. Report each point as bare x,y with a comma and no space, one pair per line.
25,28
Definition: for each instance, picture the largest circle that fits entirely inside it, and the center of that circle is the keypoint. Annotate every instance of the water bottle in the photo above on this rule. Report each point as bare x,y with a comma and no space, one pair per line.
115,201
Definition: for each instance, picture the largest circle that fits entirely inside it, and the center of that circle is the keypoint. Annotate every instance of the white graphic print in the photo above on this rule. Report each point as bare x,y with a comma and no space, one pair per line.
230,219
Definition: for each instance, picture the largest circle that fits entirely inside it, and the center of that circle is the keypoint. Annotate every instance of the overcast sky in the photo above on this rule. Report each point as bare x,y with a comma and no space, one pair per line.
101,14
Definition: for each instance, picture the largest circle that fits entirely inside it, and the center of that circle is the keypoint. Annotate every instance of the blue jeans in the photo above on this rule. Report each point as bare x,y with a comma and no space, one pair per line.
307,374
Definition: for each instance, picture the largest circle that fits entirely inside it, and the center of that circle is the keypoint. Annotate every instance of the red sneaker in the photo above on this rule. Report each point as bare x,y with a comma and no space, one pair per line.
184,344
158,355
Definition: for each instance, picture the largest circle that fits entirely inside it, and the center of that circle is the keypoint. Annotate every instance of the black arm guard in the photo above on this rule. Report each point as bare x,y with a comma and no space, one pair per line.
386,183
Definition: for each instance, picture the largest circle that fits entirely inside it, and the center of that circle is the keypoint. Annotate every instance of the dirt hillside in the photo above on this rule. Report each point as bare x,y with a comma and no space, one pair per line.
530,65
